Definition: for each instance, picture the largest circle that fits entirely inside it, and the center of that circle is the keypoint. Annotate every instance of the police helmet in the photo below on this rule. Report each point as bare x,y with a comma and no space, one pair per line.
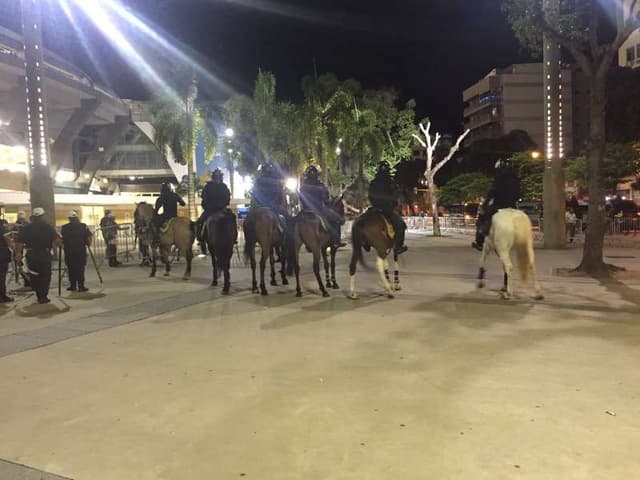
267,169
312,171
504,163
217,175
165,187
383,168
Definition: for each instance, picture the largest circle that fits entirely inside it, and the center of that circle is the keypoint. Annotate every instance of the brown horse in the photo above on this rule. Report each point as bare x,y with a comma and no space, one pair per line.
309,230
179,232
262,226
221,233
372,230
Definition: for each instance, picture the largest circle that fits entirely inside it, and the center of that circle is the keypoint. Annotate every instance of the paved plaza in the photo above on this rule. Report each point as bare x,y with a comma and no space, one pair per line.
166,379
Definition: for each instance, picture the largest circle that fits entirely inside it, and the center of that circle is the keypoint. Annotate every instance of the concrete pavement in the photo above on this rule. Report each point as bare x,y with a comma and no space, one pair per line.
443,382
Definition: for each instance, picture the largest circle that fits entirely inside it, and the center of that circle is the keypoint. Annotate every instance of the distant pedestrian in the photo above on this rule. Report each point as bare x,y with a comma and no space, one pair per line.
109,229
5,258
571,220
22,218
76,237
39,238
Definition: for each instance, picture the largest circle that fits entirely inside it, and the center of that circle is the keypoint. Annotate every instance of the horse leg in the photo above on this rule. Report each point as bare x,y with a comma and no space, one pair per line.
214,267
334,284
508,268
252,259
483,260
352,275
283,264
325,261
188,255
153,262
263,265
316,271
165,252
226,266
396,273
296,269
272,265
380,264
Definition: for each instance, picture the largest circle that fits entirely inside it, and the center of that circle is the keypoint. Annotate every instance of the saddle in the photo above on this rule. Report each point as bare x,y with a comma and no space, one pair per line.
391,232
164,228
321,220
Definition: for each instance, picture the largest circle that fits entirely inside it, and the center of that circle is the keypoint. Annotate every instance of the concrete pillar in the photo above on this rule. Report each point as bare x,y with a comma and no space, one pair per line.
553,183
41,185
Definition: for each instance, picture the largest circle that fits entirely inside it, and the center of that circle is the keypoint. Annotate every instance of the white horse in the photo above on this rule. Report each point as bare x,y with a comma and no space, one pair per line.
511,229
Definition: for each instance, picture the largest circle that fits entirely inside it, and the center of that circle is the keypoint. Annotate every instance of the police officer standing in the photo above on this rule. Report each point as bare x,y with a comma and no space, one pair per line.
383,195
504,193
314,196
76,237
5,258
39,238
109,229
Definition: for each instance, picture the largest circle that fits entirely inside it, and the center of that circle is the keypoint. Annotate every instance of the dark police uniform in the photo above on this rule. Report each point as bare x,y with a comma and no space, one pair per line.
216,196
383,195
75,239
5,258
168,201
314,196
39,238
109,229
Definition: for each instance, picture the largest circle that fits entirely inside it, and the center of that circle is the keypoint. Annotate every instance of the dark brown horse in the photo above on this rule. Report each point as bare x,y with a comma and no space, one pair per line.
310,231
179,232
372,230
221,233
262,226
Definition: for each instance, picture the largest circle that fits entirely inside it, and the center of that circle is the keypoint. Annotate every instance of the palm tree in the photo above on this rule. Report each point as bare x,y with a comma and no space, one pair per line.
178,124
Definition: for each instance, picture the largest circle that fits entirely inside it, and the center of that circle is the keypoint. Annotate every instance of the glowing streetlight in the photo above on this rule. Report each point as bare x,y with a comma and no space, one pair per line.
291,184
535,154
229,133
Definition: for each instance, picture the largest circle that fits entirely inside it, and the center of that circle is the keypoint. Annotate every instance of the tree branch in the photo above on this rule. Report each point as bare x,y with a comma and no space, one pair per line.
454,149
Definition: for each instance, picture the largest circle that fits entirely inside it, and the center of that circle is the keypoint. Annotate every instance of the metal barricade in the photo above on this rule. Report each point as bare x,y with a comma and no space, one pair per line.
125,242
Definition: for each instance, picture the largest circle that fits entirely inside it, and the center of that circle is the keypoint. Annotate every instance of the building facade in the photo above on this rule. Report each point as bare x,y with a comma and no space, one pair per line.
512,98
629,53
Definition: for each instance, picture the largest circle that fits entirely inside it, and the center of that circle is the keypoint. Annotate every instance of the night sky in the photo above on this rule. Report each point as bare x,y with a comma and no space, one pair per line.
429,50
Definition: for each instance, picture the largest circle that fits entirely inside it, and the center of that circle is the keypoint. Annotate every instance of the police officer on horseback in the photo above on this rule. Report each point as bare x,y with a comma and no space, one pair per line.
504,193
167,201
215,199
268,189
314,196
383,195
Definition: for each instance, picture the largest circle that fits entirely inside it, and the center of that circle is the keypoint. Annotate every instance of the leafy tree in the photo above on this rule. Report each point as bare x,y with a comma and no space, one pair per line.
583,29
468,187
621,160
531,173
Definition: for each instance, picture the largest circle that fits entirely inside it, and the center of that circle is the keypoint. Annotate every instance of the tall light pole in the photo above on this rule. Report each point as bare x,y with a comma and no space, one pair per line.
40,183
229,133
553,183
191,190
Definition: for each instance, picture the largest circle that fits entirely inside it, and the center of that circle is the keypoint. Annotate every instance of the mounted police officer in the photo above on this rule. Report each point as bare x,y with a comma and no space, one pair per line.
167,202
504,193
314,196
76,237
39,238
383,195
268,189
216,197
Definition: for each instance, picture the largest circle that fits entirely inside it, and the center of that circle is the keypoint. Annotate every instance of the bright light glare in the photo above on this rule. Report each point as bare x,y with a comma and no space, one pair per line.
247,182
229,132
65,176
292,184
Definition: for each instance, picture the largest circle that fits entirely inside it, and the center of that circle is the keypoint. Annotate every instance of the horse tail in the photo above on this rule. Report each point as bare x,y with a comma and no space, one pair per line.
525,257
250,239
357,240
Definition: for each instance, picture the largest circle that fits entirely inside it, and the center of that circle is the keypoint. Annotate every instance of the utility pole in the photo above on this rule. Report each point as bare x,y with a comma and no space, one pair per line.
553,182
40,183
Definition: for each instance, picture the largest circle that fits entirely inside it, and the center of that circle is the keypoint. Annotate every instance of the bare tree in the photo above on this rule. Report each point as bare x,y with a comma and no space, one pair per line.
431,144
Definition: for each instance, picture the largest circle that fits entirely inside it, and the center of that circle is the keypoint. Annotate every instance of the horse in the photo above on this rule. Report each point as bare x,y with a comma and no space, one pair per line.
221,233
179,232
511,229
262,226
309,230
373,230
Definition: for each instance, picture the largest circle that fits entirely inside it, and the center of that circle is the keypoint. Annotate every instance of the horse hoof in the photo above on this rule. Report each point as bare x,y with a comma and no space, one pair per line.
397,287
285,281
325,294
353,296
481,284
166,274
539,296
186,277
298,294
264,292
152,275
506,296
214,283
225,291
335,286
274,283
255,290
390,295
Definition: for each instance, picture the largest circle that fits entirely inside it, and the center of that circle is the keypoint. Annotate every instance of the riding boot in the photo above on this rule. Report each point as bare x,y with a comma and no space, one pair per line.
400,229
479,243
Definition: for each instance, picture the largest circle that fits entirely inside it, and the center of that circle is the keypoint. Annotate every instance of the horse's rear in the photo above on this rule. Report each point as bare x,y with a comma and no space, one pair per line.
222,233
181,233
262,226
512,229
371,230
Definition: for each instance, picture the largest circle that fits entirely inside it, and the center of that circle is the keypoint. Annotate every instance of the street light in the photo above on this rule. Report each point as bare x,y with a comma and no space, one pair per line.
229,132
